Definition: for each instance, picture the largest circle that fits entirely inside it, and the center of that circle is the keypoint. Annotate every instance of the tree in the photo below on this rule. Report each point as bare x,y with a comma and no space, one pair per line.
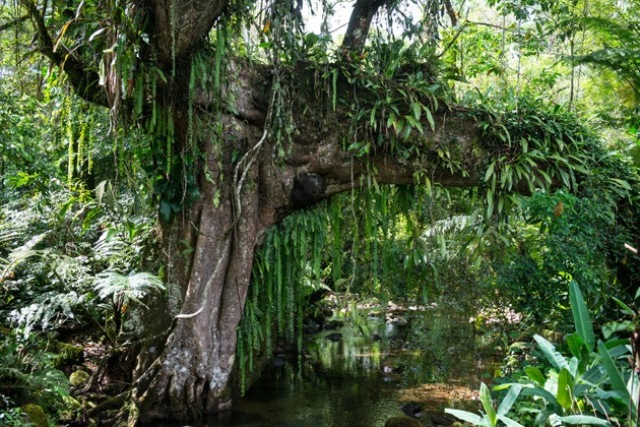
250,118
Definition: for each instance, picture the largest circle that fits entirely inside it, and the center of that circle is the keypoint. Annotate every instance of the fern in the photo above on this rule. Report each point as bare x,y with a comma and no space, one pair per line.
28,374
130,288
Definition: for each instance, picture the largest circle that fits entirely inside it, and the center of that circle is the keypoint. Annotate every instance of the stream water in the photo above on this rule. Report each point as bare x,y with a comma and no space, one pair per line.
365,375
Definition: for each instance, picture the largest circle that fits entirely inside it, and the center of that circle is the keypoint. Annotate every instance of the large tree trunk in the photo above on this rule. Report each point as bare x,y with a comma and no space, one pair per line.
193,374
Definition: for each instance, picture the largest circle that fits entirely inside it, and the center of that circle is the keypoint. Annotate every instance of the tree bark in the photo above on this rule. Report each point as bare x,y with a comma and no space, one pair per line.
192,374
359,24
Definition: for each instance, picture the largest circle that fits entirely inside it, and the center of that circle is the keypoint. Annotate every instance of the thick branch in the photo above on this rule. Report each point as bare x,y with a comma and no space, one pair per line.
341,170
178,25
14,22
453,16
359,24
81,76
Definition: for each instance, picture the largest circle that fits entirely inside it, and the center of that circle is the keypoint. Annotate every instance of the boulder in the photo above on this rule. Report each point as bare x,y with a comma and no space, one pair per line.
444,420
78,378
411,409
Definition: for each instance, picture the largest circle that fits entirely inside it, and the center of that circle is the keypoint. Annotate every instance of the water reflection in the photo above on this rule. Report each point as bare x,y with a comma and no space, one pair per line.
307,393
362,378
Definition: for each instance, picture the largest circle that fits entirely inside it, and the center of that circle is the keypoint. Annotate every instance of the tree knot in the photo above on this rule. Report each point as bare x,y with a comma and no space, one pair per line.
307,189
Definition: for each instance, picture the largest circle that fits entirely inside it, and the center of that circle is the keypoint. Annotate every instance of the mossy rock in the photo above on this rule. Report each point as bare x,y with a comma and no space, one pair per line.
69,354
402,422
79,377
34,414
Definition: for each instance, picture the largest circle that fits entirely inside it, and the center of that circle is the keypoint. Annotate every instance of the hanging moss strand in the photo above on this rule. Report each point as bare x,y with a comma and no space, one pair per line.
70,140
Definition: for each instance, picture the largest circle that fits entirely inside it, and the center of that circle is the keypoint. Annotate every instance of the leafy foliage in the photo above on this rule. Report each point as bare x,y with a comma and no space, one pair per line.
491,416
66,265
596,381
28,373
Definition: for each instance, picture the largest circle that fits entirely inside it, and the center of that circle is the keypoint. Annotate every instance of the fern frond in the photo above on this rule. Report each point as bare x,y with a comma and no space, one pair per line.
133,287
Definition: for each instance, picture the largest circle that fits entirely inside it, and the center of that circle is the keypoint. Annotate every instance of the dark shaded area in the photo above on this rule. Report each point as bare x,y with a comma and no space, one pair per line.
307,189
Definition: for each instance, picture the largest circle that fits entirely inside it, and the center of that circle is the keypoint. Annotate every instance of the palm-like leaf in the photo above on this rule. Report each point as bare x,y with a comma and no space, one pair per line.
133,287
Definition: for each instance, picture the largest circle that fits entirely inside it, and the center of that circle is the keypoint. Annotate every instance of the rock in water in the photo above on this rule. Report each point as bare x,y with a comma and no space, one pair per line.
411,409
439,419
402,422
335,337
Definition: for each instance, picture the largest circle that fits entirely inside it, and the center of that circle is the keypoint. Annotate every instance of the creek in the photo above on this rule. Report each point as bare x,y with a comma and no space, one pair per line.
380,360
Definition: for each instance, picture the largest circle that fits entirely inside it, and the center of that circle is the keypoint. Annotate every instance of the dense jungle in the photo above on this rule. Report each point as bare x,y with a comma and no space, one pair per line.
319,213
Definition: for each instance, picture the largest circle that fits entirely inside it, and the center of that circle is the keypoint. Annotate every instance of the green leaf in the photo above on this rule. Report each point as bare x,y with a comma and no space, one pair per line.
535,375
615,377
581,318
584,419
621,183
545,394
416,110
509,422
414,123
549,350
559,158
509,400
432,123
575,344
545,175
579,350
564,389
467,417
489,203
489,172
625,308
487,404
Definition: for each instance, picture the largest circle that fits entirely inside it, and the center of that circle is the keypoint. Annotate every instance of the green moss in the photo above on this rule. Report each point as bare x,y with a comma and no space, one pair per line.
68,353
78,378
34,414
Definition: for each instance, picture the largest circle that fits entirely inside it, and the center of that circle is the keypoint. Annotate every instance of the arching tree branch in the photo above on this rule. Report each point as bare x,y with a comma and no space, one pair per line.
82,77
